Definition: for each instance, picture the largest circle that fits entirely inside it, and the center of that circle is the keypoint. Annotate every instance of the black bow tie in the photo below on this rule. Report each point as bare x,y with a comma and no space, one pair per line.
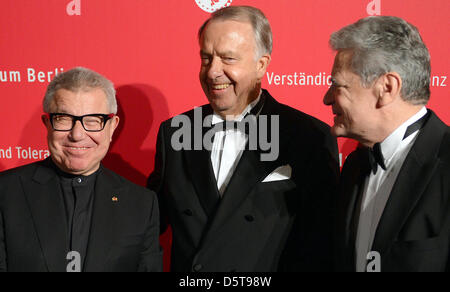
229,125
242,125
375,155
376,158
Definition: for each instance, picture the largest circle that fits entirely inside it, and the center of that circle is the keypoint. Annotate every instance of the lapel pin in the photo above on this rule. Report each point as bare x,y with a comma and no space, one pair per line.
115,199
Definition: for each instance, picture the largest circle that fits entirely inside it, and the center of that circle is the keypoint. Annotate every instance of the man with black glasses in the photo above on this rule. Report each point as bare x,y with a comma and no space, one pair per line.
68,212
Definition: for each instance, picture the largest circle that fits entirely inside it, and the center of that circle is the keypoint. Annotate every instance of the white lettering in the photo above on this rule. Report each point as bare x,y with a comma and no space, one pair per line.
299,79
374,262
269,78
10,76
6,154
14,76
374,8
74,266
42,76
192,282
31,154
74,8
31,75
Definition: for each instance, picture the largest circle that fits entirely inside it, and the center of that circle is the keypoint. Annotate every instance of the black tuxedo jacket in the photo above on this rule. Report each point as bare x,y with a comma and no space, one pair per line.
33,230
256,226
413,234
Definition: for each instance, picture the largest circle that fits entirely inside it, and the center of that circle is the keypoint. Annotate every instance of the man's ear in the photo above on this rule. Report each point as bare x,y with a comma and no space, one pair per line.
45,121
388,88
262,65
114,123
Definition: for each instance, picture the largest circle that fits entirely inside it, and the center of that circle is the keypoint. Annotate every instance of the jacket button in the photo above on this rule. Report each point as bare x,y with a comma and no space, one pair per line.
249,218
197,267
188,212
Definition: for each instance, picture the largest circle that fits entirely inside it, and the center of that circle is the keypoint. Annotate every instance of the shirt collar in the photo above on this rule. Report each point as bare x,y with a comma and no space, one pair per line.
390,145
74,179
218,119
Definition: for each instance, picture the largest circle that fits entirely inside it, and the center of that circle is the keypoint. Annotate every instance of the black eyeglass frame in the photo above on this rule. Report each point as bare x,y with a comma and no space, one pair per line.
106,118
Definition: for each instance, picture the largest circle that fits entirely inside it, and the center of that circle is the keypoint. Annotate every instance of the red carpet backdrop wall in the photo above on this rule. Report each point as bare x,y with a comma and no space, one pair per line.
149,49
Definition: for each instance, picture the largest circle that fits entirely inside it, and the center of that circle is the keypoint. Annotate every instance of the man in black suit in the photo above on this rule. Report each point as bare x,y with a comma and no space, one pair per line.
394,207
236,203
68,212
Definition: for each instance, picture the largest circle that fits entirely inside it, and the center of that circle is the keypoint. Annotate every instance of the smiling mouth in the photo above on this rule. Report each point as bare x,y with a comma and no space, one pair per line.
220,86
78,148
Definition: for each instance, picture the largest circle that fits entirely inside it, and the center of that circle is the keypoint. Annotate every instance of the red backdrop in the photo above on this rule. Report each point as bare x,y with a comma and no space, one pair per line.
149,49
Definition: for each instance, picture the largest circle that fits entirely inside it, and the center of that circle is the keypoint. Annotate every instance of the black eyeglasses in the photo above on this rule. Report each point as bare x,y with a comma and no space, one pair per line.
91,123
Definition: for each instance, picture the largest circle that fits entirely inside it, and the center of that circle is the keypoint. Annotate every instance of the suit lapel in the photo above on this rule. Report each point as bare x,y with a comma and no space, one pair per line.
203,178
44,197
353,187
108,193
202,173
249,172
417,170
354,209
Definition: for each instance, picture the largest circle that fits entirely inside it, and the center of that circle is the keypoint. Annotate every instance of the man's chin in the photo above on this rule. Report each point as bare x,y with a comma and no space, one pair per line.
218,106
338,131
78,168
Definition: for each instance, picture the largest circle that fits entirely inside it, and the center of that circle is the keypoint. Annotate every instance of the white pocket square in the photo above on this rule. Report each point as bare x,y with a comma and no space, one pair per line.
281,173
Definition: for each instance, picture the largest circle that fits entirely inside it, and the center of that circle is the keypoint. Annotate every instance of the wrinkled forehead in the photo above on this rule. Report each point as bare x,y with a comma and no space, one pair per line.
228,37
80,102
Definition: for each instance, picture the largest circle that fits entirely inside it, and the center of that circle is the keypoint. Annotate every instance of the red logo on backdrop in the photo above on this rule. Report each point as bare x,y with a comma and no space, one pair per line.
212,5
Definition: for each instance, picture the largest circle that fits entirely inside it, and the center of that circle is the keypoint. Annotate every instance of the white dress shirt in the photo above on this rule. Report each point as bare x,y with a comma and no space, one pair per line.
378,187
227,149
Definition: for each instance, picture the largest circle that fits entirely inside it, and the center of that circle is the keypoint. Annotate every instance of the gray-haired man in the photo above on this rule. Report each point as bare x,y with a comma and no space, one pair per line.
229,208
68,212
394,208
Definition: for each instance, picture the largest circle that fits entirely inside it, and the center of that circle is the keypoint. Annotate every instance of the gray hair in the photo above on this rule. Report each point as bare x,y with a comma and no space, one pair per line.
259,22
77,79
382,44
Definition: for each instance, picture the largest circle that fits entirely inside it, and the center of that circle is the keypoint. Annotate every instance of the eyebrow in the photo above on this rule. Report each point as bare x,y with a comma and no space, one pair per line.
338,84
61,110
334,81
226,53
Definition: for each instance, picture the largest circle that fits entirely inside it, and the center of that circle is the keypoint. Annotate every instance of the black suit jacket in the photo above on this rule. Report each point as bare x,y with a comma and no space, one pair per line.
413,234
33,230
281,225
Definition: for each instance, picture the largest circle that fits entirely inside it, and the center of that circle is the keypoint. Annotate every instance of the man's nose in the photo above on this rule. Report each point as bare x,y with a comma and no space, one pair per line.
78,132
215,68
328,99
